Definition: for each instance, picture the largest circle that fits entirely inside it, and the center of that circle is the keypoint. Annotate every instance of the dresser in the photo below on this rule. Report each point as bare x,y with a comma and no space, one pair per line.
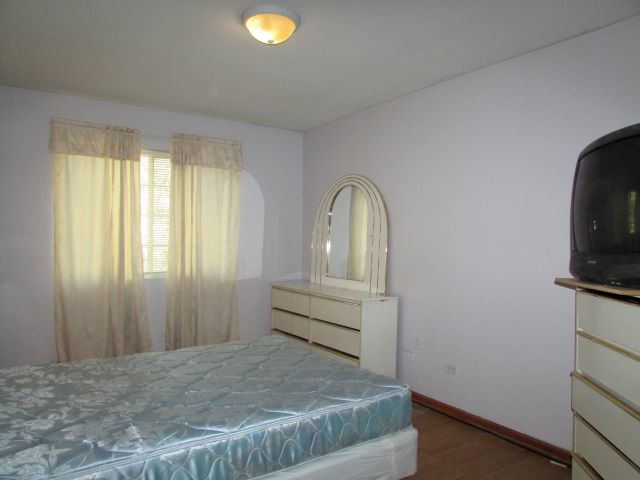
353,326
605,394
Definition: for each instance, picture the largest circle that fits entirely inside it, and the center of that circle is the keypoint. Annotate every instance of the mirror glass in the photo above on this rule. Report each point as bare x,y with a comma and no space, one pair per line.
347,243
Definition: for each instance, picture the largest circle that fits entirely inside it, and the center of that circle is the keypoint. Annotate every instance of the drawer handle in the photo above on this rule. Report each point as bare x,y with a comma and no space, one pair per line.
336,325
591,473
340,353
289,312
606,343
336,300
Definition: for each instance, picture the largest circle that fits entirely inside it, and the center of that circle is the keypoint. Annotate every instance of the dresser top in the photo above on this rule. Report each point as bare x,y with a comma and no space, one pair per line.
575,283
320,290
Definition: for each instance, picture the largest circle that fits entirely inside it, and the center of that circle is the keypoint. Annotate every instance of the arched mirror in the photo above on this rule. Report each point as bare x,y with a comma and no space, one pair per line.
349,246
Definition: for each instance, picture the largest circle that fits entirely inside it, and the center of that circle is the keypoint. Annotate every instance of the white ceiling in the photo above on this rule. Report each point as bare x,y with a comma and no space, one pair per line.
195,56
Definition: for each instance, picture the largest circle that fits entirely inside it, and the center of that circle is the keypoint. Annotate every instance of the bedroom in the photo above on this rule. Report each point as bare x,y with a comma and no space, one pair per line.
475,171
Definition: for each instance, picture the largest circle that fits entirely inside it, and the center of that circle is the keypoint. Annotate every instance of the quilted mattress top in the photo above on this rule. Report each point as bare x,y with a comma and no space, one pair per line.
228,411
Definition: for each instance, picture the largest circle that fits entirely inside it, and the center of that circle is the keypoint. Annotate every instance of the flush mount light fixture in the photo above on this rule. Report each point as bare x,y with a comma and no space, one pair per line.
270,24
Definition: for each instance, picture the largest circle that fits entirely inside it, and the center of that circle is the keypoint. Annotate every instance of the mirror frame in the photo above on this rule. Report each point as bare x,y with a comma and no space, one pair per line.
375,277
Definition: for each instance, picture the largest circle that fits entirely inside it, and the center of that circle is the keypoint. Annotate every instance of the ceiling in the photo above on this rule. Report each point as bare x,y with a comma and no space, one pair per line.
195,56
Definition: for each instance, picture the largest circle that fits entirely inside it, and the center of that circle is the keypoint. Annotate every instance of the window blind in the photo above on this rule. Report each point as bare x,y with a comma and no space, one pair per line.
155,180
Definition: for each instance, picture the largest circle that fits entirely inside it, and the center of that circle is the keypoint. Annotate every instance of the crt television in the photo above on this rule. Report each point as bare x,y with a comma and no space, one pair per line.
605,210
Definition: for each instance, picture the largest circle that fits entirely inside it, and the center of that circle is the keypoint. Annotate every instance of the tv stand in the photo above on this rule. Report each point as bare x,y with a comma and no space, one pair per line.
605,393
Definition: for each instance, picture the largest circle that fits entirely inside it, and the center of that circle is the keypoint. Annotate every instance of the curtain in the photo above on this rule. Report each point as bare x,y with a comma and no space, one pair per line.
203,241
358,235
100,308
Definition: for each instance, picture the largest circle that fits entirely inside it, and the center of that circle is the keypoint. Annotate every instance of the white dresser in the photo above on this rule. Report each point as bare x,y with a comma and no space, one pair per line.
605,393
357,327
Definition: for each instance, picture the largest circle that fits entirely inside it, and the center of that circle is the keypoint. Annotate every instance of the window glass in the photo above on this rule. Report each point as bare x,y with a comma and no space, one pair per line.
155,180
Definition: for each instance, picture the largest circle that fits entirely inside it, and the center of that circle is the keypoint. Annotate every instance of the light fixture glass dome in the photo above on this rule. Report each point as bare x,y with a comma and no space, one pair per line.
270,24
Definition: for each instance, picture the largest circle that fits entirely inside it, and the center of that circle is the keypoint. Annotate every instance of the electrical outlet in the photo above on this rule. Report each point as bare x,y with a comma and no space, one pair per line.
451,369
407,355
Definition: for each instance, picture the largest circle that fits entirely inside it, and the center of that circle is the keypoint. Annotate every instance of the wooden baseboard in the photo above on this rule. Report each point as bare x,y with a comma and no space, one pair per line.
551,451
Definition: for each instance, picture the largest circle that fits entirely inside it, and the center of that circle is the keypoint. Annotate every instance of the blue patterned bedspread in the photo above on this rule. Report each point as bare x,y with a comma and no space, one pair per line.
231,411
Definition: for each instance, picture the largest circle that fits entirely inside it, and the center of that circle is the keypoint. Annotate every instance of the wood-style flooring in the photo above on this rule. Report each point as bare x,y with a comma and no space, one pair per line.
452,450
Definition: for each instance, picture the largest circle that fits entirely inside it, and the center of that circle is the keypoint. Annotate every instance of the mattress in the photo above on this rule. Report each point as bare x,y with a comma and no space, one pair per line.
232,411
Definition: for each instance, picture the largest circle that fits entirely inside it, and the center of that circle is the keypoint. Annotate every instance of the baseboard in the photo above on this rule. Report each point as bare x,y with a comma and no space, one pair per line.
551,451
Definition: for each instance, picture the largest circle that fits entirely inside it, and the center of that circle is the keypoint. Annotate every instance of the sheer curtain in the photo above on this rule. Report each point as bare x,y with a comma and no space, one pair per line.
203,241
100,308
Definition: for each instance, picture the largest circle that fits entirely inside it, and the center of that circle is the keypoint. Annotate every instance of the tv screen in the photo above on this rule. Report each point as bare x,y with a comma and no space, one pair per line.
605,211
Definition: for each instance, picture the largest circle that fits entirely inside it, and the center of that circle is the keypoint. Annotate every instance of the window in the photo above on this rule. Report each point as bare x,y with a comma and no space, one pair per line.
155,179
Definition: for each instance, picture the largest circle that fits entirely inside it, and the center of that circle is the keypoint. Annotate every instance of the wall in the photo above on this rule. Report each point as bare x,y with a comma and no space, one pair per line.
476,173
271,218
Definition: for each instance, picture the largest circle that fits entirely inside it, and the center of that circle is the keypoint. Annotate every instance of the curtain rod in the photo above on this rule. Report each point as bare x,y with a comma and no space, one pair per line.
178,136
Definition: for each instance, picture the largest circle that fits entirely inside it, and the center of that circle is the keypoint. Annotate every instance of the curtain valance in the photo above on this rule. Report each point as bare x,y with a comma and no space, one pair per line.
205,152
93,140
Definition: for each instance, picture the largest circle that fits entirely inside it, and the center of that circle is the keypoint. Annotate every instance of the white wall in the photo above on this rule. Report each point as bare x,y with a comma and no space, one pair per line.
476,173
273,195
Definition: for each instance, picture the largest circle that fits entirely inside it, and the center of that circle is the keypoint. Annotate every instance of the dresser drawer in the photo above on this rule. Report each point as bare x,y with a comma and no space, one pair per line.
296,340
290,323
340,313
621,427
291,301
605,460
613,369
320,350
336,356
335,337
581,471
610,319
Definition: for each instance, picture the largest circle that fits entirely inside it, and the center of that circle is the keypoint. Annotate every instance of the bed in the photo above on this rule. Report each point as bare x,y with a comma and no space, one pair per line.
266,408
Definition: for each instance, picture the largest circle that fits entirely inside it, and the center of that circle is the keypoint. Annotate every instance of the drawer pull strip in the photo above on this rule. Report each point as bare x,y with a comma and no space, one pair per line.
616,401
288,334
331,299
334,351
613,346
588,469
290,312
337,325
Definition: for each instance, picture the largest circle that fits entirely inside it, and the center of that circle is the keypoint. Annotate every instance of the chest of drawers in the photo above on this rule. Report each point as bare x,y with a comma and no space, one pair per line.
355,327
605,394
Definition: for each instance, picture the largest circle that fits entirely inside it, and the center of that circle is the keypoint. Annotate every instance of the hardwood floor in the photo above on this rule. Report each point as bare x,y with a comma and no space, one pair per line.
451,450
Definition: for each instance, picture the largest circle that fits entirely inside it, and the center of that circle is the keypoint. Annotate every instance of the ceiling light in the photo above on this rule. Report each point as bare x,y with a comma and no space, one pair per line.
270,24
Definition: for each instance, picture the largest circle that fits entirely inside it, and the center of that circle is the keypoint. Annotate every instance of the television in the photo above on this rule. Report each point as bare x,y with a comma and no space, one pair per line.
605,210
